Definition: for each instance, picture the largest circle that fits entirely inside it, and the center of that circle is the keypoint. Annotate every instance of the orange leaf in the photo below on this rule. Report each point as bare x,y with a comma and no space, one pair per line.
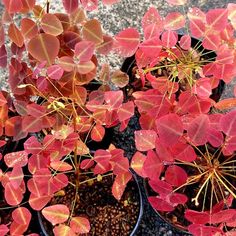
44,47
92,31
51,24
56,214
15,35
226,104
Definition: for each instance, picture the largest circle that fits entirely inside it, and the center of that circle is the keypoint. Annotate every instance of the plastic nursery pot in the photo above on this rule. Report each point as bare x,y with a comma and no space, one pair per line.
46,229
130,62
178,229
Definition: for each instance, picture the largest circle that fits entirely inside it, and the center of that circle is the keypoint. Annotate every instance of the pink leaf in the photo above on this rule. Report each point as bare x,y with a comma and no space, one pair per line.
169,39
21,215
13,159
185,42
174,21
13,196
85,67
215,137
3,229
126,111
228,123
152,17
13,6
38,202
175,175
121,166
16,177
84,50
197,28
231,14
17,229
127,42
86,164
169,128
217,19
70,5
114,99
56,214
211,42
225,55
198,128
80,225
178,198
151,47
60,166
145,139
223,216
55,72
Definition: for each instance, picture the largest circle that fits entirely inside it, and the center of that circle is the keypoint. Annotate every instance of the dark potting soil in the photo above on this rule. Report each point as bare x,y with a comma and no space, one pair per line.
107,216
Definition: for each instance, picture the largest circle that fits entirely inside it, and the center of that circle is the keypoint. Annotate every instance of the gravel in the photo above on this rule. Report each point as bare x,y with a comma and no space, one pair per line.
115,18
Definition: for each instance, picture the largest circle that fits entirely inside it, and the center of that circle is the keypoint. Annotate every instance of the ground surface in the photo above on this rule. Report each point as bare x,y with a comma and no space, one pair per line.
128,13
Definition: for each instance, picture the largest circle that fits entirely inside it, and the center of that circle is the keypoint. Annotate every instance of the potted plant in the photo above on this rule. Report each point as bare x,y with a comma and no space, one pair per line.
185,149
63,112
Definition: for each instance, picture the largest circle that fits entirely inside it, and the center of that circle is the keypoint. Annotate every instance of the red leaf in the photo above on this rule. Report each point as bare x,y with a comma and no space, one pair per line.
51,24
126,111
198,128
27,5
80,225
185,42
187,154
3,56
160,204
228,123
169,128
225,55
161,187
202,230
163,152
197,28
92,31
197,217
102,167
217,19
215,137
3,229
174,21
55,72
137,163
13,159
15,35
17,229
178,198
145,139
211,42
21,215
175,175
106,46
63,230
56,214
169,39
152,167
32,145
223,216
70,5
44,47
127,42
13,196
97,133
84,50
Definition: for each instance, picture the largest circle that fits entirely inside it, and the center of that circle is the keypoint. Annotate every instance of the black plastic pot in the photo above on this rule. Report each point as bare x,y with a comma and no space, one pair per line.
130,62
45,233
